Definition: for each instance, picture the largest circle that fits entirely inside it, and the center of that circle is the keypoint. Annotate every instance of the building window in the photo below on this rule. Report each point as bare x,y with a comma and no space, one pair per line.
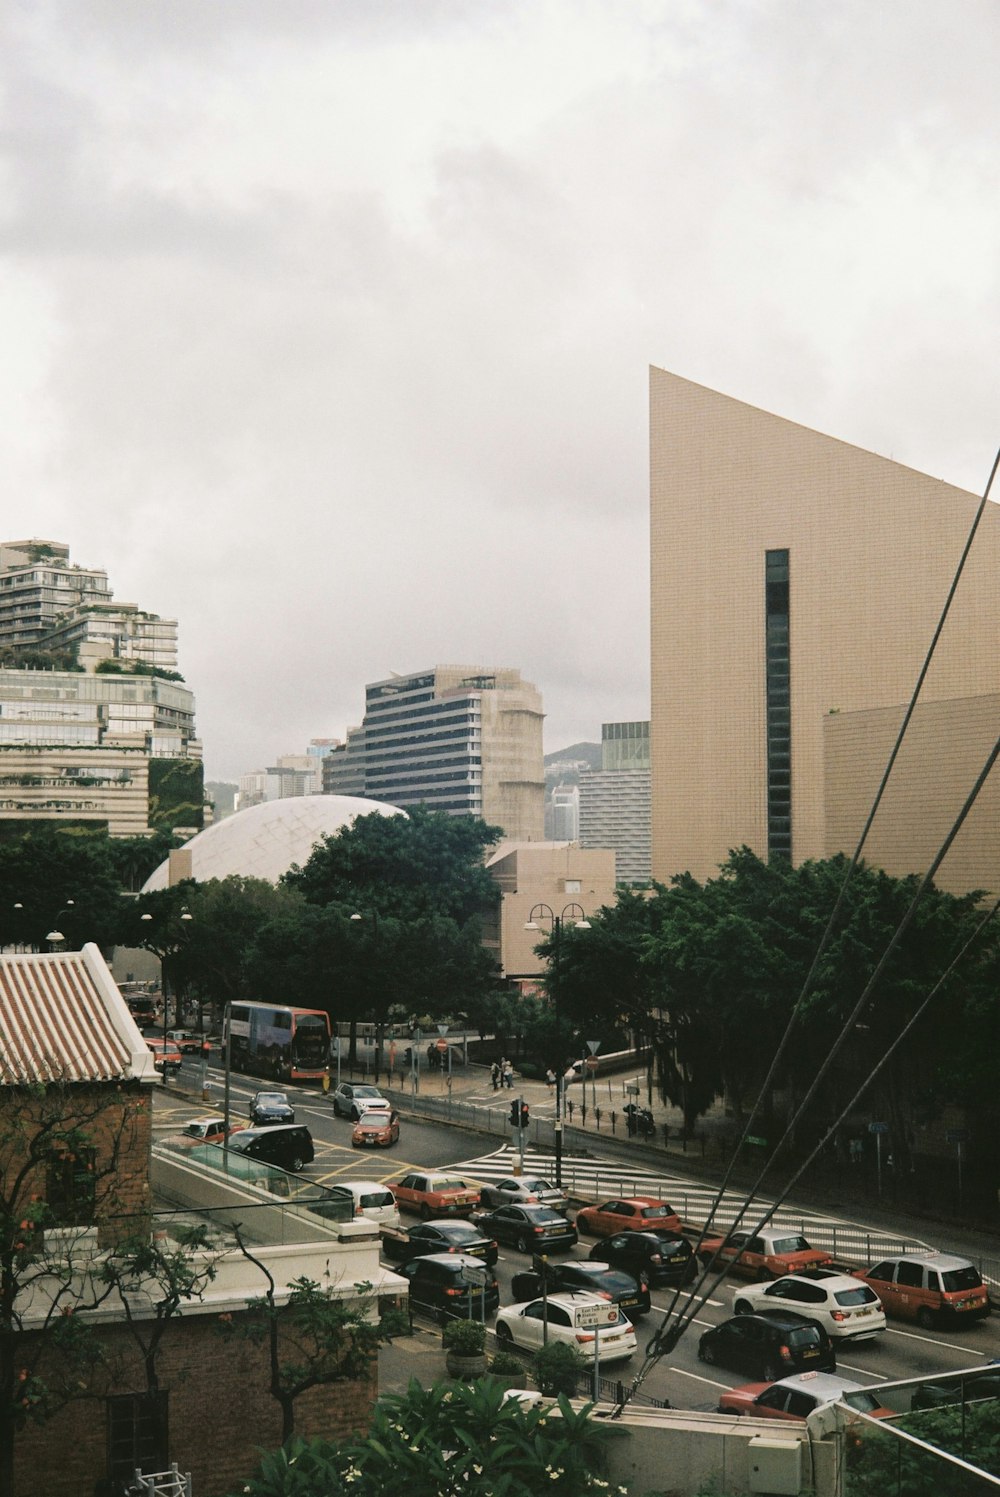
69,1186
779,709
137,1434
572,886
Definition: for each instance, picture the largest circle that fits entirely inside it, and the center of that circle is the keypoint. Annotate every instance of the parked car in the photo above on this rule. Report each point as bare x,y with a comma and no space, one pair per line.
372,1200
448,1236
187,1042
530,1229
767,1254
661,1257
452,1285
847,1310
288,1145
635,1212
435,1195
525,1190
800,1395
930,1288
622,1289
270,1107
769,1345
570,1319
210,1130
375,1130
350,1101
166,1056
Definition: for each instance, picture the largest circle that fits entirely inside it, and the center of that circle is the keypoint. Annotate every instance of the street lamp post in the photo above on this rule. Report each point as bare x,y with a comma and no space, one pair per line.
166,950
577,916
380,1025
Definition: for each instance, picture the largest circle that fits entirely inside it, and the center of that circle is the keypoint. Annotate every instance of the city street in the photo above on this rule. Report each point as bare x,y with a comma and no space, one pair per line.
900,1351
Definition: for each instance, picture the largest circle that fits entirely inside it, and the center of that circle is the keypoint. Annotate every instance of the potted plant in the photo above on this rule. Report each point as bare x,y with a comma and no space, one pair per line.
557,1369
464,1342
509,1370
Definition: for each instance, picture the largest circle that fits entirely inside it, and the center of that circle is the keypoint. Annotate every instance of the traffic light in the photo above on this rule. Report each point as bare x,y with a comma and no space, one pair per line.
514,1115
524,1115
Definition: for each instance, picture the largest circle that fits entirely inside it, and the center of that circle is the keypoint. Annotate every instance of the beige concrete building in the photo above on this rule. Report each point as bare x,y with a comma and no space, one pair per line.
571,881
462,739
796,582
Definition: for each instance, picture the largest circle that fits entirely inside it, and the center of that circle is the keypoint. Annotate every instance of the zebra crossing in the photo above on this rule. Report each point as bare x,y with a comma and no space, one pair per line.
594,1179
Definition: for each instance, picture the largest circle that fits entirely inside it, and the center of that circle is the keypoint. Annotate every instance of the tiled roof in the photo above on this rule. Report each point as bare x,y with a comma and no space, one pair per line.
62,1018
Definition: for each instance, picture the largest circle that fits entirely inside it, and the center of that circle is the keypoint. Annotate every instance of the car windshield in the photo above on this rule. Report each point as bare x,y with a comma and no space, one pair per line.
863,1401
673,1247
536,1185
791,1245
651,1211
378,1198
961,1278
543,1214
367,1091
806,1335
445,1185
612,1281
458,1232
860,1296
372,1120
272,1099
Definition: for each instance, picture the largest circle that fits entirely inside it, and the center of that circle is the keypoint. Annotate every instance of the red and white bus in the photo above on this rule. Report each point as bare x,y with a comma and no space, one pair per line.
279,1042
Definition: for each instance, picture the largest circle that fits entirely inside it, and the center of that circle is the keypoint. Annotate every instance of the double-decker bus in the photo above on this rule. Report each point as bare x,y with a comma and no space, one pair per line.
279,1041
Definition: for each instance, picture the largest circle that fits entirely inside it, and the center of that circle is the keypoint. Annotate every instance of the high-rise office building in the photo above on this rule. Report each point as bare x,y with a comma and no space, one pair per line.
796,585
461,739
96,726
615,801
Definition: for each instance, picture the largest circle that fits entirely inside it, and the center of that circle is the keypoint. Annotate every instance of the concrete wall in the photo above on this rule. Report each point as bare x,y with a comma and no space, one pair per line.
872,549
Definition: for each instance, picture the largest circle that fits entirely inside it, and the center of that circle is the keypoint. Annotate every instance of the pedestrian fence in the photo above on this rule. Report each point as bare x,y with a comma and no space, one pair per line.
848,1244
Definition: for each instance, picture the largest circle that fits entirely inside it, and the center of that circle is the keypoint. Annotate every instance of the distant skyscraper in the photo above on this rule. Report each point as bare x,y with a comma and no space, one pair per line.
462,739
562,814
615,801
96,727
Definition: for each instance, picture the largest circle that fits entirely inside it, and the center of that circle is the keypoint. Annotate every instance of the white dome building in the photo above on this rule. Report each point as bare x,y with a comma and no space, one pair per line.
266,840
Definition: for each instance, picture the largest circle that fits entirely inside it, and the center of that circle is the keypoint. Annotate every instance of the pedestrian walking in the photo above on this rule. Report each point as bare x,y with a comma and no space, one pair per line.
550,1078
495,1076
508,1074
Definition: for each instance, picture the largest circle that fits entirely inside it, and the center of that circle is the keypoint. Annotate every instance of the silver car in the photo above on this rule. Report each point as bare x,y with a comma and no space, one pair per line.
524,1190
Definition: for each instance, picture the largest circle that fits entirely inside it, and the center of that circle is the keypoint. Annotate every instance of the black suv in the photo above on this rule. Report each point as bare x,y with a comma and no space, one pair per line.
452,1286
769,1346
622,1289
288,1145
663,1257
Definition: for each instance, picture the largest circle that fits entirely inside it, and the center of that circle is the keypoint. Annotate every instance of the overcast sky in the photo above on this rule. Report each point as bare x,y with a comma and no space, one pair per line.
327,323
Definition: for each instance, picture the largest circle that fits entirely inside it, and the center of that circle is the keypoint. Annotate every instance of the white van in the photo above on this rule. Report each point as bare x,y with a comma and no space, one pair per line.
373,1201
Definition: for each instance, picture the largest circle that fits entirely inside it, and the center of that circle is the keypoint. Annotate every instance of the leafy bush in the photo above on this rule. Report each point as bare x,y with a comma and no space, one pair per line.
467,1338
558,1368
504,1364
449,1440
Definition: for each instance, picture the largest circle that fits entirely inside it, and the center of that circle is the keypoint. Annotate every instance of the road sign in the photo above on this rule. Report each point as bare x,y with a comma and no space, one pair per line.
878,1127
761,1141
442,1045
588,1315
957,1135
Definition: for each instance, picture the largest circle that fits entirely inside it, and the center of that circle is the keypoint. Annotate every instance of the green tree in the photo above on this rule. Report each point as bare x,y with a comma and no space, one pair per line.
449,1440
58,879
315,1337
60,1150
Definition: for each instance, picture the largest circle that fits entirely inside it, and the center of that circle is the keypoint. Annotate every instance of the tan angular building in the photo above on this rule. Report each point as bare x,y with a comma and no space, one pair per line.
796,582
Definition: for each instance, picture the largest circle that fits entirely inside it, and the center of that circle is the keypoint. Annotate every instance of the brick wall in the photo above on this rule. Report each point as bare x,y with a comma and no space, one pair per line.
221,1415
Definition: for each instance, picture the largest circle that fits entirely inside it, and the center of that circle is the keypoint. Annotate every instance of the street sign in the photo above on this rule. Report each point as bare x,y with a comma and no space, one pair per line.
878,1127
957,1135
761,1141
442,1045
589,1315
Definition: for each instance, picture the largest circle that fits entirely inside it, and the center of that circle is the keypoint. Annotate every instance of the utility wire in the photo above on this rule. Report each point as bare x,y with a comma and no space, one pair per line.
699,1294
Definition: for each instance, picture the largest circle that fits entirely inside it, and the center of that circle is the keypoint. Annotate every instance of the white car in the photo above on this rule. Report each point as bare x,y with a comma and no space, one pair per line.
351,1100
570,1318
516,1191
372,1200
829,1298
